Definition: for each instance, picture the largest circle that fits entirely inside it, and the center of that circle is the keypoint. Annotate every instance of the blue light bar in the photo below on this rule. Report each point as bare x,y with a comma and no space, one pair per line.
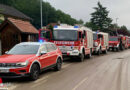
55,26
76,26
40,41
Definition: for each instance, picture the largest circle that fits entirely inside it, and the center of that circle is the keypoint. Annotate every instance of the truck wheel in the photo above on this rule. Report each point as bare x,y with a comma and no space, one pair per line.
105,52
113,49
35,70
117,49
81,57
89,55
99,52
58,65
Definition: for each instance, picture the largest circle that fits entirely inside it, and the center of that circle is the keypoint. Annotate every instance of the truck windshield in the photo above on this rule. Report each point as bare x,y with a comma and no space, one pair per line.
95,36
65,35
24,49
113,39
44,34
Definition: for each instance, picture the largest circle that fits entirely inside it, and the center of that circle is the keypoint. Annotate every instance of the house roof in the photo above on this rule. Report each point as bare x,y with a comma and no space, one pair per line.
21,25
10,11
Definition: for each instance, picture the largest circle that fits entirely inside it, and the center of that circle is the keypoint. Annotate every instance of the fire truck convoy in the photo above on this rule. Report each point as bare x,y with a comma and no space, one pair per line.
119,42
100,42
81,41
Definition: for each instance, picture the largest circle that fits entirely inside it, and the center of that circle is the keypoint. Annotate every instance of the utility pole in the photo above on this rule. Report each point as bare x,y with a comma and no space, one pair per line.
41,13
117,25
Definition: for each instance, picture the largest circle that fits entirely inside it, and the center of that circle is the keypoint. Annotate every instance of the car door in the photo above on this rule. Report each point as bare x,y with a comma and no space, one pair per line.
45,57
52,54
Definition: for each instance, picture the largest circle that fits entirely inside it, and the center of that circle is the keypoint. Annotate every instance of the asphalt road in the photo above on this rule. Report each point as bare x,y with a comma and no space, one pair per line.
105,72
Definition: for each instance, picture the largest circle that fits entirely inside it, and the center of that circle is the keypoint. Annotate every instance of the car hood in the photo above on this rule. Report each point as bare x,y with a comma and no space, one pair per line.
15,58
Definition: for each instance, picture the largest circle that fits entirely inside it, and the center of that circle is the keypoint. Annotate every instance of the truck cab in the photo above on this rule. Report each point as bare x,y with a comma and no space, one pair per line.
114,42
73,41
100,42
45,35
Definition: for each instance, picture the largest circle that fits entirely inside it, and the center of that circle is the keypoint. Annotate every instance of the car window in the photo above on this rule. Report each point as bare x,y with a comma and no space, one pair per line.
51,47
54,47
43,48
24,49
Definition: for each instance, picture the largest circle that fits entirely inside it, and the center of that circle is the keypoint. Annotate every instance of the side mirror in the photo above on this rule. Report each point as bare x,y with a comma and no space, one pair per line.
6,52
43,52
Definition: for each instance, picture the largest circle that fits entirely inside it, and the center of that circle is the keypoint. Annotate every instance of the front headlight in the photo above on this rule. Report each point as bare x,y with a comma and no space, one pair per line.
96,44
76,47
22,64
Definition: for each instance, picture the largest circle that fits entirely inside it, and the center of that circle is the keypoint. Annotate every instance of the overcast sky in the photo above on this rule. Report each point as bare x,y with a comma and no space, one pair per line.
81,9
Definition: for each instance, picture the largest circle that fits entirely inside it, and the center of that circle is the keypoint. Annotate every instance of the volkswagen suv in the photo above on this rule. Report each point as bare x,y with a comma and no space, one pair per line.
29,59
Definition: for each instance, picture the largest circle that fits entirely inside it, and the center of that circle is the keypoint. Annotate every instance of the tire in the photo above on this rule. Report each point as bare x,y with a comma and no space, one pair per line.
117,49
99,52
58,65
105,52
35,70
81,57
89,55
113,49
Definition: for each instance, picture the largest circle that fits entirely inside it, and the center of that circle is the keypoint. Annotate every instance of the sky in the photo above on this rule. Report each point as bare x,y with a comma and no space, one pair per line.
81,9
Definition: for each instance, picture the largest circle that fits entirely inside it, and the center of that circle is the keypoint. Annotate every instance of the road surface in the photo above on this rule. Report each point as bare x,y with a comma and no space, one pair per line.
105,72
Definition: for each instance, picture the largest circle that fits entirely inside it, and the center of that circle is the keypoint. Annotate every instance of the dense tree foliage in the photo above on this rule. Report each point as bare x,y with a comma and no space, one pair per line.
100,19
32,9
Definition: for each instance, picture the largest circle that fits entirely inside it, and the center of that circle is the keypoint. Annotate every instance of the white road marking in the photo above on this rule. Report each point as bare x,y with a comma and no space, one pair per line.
12,87
80,83
41,79
38,84
65,65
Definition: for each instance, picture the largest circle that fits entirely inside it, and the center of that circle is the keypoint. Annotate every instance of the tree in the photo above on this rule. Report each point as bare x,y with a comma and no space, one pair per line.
100,19
81,21
31,8
124,27
89,25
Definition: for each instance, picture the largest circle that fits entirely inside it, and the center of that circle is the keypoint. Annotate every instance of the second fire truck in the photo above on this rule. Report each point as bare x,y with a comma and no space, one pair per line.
100,42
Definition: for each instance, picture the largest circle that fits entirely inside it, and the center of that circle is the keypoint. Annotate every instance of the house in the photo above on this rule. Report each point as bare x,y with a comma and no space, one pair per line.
15,28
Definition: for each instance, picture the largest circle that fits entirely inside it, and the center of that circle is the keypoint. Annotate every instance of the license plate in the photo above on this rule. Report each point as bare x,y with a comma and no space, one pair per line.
4,70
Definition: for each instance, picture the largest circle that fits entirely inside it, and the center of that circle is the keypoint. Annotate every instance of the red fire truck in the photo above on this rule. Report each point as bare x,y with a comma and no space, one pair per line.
129,42
114,43
119,42
100,42
73,40
45,35
124,40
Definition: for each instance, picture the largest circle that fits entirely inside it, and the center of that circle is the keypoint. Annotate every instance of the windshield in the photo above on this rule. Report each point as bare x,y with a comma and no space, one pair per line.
113,39
94,36
24,49
45,34
65,35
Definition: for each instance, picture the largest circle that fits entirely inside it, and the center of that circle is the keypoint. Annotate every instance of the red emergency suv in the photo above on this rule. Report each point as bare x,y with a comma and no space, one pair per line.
29,59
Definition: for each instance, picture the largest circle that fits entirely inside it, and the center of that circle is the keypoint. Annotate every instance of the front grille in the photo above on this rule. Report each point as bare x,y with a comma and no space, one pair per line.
65,48
8,74
7,64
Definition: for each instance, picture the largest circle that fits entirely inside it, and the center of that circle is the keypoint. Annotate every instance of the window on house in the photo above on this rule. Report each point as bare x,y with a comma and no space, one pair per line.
15,38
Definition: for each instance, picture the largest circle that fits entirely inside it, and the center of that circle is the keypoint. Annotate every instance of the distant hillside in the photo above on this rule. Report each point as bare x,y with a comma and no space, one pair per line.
32,9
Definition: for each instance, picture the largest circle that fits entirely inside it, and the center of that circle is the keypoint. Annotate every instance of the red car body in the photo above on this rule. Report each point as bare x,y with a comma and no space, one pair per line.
10,63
